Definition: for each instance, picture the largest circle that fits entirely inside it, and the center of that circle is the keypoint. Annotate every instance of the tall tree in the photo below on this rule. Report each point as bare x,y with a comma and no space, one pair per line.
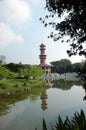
73,23
83,71
61,66
2,59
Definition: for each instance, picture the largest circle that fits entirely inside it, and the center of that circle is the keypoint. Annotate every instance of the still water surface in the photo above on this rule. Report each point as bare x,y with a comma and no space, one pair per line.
25,110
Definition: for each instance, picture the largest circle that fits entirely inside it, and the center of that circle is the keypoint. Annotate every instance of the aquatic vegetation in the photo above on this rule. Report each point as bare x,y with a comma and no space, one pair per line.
77,122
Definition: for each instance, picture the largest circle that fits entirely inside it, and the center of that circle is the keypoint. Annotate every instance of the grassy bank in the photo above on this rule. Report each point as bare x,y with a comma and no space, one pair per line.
11,85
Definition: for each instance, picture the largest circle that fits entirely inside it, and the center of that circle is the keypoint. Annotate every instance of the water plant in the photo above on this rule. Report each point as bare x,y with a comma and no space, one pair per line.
77,122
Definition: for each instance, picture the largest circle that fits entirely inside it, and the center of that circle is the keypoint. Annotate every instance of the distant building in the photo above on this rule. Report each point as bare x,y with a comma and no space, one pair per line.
46,68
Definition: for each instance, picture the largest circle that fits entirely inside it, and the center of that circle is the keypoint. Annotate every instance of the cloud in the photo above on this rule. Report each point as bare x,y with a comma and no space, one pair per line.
36,2
15,10
7,35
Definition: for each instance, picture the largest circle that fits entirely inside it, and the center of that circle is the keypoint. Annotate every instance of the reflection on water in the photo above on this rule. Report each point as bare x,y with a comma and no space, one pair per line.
84,86
6,100
65,85
25,109
43,98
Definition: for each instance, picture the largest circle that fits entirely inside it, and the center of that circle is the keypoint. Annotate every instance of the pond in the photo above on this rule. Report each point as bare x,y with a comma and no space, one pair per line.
25,110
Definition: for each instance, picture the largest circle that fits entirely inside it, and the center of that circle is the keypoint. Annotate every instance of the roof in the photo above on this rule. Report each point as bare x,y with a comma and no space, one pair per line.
42,45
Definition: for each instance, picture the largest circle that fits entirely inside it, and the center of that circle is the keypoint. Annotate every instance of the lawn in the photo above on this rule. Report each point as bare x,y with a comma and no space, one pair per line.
11,85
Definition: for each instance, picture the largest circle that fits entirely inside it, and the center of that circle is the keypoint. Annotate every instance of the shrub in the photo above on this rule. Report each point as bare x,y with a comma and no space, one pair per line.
16,85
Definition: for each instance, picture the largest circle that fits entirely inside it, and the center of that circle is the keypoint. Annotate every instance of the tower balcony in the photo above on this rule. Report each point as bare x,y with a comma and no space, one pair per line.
42,48
42,56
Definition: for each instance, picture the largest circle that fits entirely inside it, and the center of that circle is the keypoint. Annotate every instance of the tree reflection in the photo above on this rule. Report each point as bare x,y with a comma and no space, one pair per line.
65,85
9,99
84,86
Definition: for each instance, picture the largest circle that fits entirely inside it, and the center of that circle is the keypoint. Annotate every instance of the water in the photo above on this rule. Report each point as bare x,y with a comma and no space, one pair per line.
25,110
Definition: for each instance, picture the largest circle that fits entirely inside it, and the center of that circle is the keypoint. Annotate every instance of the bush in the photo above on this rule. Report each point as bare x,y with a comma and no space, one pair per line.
16,85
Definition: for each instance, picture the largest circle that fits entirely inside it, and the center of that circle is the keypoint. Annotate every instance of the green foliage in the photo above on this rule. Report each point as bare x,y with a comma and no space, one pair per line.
76,67
78,122
12,85
16,85
44,125
14,67
72,24
35,71
24,70
5,73
61,125
64,65
2,59
82,73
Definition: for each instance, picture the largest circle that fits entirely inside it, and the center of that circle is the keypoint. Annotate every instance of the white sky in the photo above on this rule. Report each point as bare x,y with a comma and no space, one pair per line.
21,33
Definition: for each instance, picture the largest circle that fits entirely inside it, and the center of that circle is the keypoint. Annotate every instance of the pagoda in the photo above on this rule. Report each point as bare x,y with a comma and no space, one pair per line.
46,68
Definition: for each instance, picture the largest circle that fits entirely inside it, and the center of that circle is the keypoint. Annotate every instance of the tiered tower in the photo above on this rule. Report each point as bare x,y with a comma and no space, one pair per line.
42,56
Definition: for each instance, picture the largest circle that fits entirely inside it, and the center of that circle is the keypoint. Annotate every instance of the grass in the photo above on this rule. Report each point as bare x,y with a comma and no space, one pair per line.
10,85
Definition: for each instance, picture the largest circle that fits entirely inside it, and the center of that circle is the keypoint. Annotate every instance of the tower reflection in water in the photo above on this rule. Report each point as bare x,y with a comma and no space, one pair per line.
44,99
47,84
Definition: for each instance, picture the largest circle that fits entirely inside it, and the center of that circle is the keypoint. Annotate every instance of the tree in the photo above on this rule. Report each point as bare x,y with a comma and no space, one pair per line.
76,67
24,70
14,67
34,71
5,73
61,66
83,71
2,59
65,65
72,23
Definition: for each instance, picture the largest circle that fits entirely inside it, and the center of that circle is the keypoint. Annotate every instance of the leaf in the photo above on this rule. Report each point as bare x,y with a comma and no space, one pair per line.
44,125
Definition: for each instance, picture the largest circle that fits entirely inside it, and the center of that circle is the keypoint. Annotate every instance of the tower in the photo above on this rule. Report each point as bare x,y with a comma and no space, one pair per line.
42,57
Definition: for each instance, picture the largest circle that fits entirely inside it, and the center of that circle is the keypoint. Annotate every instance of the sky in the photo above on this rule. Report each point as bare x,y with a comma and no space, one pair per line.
21,33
